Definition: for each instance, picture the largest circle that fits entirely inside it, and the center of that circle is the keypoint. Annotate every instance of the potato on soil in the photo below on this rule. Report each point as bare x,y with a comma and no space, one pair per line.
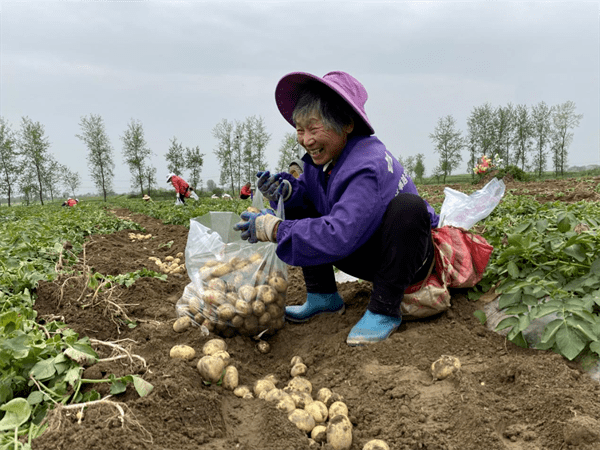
217,284
298,370
444,367
169,258
301,399
338,409
182,352
223,355
286,404
242,391
213,346
339,433
182,324
323,395
279,284
231,378
211,368
302,419
376,444
263,385
264,347
296,360
319,434
318,410
179,255
299,384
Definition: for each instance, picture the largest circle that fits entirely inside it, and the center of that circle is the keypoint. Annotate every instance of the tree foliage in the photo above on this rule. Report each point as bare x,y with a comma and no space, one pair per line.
100,157
194,161
288,151
33,146
9,162
136,153
175,157
448,144
564,119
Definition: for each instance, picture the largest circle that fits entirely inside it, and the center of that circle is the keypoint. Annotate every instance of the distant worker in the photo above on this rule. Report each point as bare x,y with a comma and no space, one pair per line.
181,186
226,196
70,202
147,198
246,192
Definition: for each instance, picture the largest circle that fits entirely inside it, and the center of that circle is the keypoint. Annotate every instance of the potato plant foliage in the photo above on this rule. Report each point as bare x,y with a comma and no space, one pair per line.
546,260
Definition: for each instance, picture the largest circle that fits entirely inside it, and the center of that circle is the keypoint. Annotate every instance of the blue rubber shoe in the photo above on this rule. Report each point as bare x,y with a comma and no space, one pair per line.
372,328
315,304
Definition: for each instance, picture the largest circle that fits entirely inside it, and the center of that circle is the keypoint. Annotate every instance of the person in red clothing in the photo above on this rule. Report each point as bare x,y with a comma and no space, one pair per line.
181,186
70,202
246,192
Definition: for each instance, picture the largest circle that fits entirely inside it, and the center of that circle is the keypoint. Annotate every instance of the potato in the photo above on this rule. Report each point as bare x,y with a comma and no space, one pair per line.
275,395
299,384
302,419
266,294
255,257
323,395
318,410
182,324
251,324
208,324
231,298
258,308
247,292
263,385
278,283
217,284
237,321
242,391
241,264
339,433
301,399
221,270
236,282
231,378
223,355
203,273
286,404
444,367
264,320
243,307
213,297
376,444
298,369
319,434
211,368
169,258
234,260
182,352
338,409
226,312
179,255
264,347
213,346
296,360
212,263
194,305
272,378
275,311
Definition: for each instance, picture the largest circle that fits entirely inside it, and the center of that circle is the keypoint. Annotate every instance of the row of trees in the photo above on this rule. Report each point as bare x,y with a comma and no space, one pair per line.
524,137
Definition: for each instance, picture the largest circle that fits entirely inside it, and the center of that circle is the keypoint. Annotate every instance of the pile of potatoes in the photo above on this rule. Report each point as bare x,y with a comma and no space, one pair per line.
236,295
171,264
139,237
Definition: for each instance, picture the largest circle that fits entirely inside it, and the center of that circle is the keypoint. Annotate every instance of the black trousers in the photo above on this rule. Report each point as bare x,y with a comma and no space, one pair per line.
398,255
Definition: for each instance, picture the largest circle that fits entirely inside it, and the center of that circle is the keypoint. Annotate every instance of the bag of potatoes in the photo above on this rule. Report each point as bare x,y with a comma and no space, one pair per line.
236,287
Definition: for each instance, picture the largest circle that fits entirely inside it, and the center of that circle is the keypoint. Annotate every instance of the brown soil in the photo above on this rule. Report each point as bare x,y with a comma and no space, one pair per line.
504,397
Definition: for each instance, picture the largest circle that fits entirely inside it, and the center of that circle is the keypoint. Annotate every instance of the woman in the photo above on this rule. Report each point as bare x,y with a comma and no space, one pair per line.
246,191
181,186
354,207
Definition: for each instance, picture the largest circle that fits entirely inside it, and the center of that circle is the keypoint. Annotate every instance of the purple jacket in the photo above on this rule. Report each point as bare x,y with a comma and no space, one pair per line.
329,220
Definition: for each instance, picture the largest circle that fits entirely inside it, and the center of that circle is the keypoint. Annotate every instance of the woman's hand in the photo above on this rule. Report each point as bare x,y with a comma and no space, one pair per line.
258,226
273,186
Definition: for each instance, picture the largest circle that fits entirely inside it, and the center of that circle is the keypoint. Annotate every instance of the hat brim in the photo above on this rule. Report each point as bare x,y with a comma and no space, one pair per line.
288,91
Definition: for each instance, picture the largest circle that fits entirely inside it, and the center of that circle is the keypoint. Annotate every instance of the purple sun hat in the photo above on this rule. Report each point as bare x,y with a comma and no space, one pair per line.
346,86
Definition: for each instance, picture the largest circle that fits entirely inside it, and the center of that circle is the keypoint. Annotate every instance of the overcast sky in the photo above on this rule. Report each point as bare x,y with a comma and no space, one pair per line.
180,67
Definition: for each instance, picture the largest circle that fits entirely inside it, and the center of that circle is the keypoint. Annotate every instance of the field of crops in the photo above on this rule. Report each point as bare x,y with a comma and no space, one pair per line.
86,330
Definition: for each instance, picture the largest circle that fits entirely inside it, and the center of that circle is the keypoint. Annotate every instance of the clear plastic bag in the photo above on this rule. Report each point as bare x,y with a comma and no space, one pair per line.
194,195
236,287
464,211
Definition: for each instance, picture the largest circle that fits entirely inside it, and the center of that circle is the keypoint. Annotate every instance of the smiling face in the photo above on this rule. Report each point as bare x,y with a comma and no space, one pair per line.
321,143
